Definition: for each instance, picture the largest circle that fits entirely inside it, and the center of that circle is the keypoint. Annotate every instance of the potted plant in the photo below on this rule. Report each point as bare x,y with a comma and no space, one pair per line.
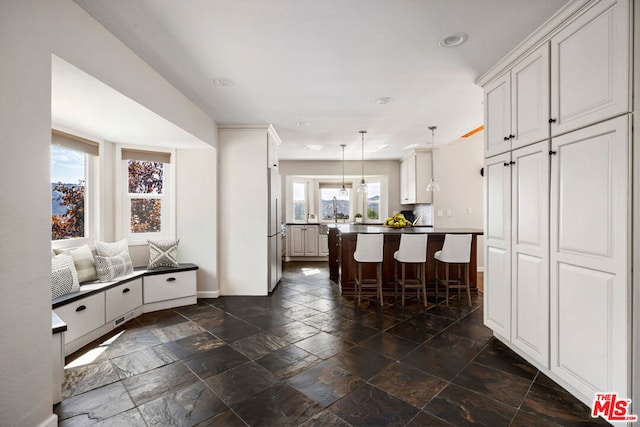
358,217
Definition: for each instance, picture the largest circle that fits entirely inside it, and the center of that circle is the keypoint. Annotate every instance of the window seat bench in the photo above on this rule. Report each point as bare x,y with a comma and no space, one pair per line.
97,308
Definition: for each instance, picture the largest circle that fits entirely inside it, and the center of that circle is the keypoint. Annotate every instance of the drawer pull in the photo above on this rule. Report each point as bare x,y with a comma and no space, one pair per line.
81,308
125,290
171,279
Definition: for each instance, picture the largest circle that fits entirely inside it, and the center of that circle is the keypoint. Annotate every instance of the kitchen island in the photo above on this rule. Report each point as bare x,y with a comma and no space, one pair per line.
342,245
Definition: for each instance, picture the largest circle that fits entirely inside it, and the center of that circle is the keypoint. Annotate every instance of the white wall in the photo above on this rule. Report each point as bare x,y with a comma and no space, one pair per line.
457,168
30,31
197,217
388,168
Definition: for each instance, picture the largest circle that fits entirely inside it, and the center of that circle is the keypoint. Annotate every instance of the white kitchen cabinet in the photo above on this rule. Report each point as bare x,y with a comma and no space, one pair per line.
304,241
415,173
530,250
273,147
517,104
497,244
590,67
323,245
581,334
589,258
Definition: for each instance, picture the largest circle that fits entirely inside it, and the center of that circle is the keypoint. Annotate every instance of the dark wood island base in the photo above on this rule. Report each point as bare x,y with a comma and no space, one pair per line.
342,245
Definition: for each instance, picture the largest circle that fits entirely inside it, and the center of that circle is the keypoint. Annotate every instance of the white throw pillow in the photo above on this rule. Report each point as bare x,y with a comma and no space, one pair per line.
84,262
112,249
64,278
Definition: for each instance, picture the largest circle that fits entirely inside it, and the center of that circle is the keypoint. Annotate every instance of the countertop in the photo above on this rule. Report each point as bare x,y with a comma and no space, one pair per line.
363,228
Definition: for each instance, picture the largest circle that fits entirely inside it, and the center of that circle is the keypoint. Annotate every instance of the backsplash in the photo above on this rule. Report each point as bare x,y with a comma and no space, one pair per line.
425,211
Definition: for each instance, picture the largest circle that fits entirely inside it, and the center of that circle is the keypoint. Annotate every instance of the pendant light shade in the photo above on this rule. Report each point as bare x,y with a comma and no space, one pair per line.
433,182
362,188
343,190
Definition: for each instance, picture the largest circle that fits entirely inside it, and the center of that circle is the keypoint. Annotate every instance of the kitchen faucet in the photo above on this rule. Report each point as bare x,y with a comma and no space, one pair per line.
335,209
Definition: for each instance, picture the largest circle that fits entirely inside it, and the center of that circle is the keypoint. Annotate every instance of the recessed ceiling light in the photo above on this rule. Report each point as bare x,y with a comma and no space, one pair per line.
313,147
384,147
303,124
454,40
223,81
383,100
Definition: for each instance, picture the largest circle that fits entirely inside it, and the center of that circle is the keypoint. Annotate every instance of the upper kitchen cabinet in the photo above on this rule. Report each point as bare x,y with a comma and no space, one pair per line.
273,146
517,105
590,62
415,172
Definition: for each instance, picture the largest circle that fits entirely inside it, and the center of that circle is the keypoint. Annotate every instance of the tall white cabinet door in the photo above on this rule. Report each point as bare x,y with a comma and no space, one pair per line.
530,250
311,240
589,258
590,67
530,98
497,256
295,246
497,116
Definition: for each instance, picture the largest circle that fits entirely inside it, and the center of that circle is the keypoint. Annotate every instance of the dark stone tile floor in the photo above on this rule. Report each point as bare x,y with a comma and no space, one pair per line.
306,356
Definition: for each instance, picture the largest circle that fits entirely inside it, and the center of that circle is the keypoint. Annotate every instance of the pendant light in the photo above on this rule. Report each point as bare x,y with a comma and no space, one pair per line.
433,183
343,191
362,188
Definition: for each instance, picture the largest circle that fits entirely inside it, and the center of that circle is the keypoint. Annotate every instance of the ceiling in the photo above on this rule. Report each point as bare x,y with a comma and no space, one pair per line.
314,69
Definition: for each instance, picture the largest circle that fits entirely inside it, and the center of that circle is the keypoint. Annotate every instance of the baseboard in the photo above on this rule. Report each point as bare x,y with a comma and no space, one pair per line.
51,421
208,294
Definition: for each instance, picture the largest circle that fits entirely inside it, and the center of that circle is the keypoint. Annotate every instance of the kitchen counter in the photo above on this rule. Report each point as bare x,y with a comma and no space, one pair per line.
342,245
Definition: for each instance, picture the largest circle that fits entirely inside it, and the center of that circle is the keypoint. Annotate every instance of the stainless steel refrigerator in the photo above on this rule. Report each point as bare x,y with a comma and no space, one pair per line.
274,234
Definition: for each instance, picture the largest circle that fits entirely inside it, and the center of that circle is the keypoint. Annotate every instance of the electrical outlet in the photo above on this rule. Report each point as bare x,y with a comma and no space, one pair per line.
469,211
448,212
439,212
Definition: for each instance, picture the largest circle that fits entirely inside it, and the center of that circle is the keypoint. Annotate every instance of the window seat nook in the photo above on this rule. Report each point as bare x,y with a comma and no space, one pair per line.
99,307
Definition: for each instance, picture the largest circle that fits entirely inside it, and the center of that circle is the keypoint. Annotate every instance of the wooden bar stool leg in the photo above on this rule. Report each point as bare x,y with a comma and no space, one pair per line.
466,267
403,281
423,279
358,279
446,283
395,282
435,266
379,283
459,282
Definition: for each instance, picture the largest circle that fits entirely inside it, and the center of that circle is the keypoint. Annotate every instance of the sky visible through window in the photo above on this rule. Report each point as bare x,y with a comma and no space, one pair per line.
67,166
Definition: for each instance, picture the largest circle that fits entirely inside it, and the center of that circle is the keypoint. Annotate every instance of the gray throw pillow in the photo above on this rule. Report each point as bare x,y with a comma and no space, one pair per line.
64,278
109,268
163,253
112,249
84,262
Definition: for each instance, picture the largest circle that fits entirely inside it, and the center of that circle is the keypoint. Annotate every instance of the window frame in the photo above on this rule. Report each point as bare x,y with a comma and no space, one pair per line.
92,202
123,198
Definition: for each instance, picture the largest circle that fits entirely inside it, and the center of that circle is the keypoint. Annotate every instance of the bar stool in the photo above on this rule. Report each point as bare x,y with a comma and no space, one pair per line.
369,249
455,251
413,250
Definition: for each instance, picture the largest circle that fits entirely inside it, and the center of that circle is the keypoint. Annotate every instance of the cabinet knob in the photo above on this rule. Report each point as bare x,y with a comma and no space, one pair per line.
511,136
171,279
125,290
551,152
512,162
81,308
552,120
506,164
506,138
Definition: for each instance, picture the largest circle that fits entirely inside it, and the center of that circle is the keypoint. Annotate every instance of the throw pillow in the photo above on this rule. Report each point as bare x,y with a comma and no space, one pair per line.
163,253
84,262
112,249
109,268
64,278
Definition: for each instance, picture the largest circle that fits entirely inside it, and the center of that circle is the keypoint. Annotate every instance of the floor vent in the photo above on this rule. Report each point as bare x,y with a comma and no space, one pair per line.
123,319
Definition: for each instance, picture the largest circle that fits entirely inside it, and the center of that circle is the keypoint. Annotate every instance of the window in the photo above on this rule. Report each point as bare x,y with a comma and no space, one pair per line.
300,203
147,208
71,167
342,203
373,201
